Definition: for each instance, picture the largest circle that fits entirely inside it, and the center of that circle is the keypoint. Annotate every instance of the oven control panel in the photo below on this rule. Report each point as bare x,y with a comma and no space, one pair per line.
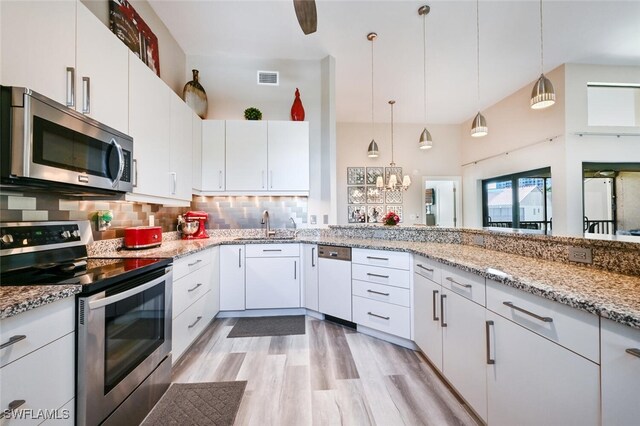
21,236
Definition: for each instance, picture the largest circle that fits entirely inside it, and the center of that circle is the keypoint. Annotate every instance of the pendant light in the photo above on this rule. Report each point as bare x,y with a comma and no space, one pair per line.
372,151
393,183
479,126
542,95
425,137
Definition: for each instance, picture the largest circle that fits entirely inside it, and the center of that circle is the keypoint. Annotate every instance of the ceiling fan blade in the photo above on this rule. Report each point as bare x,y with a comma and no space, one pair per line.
306,14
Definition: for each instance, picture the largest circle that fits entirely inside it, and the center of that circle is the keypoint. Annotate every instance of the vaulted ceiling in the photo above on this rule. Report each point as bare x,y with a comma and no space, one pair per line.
594,32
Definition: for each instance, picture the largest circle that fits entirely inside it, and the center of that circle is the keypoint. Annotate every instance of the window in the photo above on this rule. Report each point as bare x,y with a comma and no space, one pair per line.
521,200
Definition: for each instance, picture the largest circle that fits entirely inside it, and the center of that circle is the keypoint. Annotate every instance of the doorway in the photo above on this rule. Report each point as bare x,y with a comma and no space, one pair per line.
441,201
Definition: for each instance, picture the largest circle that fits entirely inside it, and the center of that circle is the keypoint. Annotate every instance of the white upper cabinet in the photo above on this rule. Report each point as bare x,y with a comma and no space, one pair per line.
102,73
288,156
38,45
212,157
149,115
246,156
181,146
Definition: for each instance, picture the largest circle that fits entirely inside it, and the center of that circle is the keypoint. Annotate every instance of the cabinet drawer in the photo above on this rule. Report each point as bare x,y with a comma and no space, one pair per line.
40,326
464,283
576,330
382,293
187,327
427,268
190,288
392,319
186,265
273,250
44,379
378,275
389,259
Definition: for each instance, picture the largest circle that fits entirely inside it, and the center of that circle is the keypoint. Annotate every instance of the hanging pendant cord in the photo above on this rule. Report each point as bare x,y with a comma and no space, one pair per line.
424,38
541,42
478,47
392,162
372,125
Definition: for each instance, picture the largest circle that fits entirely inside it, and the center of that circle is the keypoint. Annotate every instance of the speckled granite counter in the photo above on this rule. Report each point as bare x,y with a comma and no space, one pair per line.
15,300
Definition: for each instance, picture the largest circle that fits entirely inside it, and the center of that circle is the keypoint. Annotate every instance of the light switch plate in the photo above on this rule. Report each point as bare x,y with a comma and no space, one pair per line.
579,254
325,219
313,219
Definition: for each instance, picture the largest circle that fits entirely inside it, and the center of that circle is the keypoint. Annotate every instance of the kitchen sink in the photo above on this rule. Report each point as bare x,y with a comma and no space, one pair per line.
264,238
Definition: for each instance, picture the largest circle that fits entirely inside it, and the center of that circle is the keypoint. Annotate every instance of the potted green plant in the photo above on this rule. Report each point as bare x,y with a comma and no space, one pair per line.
252,113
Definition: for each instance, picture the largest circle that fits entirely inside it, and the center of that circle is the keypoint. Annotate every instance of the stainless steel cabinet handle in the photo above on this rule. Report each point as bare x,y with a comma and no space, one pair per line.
377,316
633,351
86,95
435,296
424,267
313,257
174,178
524,311
460,284
442,322
135,173
13,405
194,288
377,258
295,270
71,86
13,340
377,292
267,250
239,258
377,275
195,322
488,325
220,179
194,263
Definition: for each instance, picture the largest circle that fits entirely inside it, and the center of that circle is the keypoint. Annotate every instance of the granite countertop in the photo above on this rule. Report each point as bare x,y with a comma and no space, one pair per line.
15,300
610,295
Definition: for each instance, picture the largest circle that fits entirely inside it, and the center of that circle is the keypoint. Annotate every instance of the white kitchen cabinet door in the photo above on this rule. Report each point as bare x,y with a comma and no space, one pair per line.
426,318
288,155
232,269
38,45
213,304
102,72
334,288
150,123
196,152
464,348
181,145
213,156
246,156
537,382
273,282
310,276
620,374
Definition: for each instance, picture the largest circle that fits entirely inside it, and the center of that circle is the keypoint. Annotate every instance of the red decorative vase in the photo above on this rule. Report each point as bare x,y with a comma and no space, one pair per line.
297,110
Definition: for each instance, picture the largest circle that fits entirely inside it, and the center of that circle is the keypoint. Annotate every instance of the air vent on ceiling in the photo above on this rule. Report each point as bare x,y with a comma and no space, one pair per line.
268,78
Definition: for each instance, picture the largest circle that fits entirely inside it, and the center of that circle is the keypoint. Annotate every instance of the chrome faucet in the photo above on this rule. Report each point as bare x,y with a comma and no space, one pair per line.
295,227
265,221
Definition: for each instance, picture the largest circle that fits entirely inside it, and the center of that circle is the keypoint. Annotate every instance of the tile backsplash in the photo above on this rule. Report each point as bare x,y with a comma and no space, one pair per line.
224,212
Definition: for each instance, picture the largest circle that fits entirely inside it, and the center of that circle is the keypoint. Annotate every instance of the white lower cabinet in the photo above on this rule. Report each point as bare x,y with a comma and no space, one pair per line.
187,327
464,348
213,303
272,276
386,317
426,318
334,288
309,263
533,381
232,292
620,374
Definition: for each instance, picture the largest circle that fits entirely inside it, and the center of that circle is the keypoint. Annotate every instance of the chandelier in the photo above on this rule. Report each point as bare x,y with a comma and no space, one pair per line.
391,181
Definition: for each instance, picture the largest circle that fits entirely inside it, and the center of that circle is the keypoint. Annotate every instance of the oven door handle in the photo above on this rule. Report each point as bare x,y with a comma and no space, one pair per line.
116,181
99,303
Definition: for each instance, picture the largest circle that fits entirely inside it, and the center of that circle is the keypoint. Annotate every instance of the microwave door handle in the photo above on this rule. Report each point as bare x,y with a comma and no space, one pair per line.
99,303
116,181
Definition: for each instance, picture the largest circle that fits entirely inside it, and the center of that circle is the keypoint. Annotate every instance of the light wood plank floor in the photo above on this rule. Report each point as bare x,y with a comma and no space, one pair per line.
329,376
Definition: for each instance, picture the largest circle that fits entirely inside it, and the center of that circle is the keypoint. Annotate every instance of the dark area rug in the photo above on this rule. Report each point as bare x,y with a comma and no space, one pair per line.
187,404
268,326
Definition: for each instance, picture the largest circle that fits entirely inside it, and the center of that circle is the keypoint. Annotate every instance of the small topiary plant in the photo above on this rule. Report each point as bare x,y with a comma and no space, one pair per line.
252,114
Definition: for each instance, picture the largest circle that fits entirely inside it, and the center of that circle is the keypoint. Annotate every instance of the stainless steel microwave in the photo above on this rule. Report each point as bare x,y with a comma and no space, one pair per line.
46,144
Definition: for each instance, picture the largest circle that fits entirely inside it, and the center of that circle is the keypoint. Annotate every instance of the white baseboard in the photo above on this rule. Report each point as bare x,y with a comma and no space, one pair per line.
400,341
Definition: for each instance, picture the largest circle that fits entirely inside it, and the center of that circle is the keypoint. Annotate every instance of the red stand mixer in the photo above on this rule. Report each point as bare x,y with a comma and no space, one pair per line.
191,225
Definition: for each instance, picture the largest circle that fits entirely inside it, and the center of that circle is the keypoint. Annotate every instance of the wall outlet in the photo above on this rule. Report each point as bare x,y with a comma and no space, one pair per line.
325,219
313,219
478,240
579,254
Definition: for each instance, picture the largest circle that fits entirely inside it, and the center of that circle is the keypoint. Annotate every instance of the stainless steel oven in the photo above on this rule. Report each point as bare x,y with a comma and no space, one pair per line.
45,143
124,346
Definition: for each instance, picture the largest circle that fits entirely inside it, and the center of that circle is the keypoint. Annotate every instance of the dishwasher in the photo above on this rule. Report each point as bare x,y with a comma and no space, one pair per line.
334,281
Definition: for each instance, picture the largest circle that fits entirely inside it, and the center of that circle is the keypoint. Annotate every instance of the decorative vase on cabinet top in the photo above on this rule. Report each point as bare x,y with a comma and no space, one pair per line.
195,96
297,110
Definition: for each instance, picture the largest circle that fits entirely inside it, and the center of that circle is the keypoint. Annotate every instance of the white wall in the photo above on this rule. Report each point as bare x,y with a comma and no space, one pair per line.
441,160
231,87
511,147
